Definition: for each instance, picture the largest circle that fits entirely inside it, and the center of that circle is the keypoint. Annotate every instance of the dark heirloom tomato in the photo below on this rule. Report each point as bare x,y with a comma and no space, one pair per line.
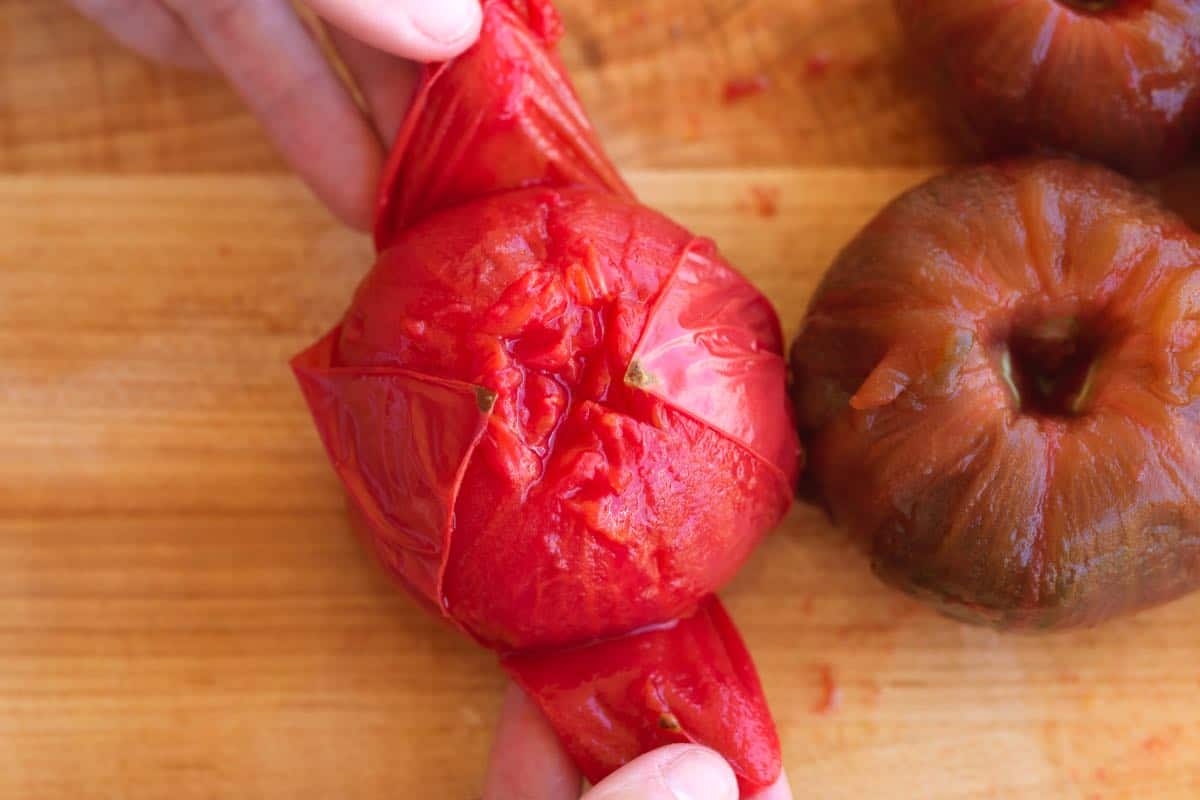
561,419
998,383
1114,80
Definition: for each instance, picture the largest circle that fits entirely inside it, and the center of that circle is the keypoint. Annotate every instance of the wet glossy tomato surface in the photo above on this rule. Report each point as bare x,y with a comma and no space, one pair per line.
605,499
1117,81
561,418
998,383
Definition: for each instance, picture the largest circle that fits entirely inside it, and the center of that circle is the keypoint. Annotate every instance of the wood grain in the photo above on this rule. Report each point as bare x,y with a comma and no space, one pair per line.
183,613
652,74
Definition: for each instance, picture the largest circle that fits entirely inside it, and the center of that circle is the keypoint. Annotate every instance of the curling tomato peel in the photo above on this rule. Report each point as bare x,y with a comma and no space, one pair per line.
372,422
708,349
560,417
502,116
607,710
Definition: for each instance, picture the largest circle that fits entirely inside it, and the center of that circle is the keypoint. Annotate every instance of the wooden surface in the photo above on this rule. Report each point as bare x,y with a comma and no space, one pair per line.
183,613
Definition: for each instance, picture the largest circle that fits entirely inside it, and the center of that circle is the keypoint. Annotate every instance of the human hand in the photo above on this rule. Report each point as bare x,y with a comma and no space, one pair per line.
528,763
267,51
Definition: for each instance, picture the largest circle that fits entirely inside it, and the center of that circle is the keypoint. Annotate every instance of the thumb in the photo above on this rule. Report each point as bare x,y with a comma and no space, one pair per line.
676,772
419,30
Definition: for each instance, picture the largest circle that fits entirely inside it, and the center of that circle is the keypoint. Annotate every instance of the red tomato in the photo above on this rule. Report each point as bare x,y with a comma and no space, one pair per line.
560,417
1117,81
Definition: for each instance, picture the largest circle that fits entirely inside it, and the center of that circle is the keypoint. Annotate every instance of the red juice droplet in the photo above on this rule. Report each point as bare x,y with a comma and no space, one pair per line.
765,200
831,693
818,65
741,88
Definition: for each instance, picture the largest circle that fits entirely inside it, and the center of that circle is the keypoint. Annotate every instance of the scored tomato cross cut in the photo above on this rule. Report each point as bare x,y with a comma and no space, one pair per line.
560,417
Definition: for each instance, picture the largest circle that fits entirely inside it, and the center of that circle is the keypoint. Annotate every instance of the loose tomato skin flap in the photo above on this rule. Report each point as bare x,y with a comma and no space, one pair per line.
400,442
712,349
691,680
502,116
633,443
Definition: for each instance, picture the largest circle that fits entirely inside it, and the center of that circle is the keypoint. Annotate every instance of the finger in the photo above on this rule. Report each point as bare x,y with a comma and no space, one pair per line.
527,762
147,27
277,67
386,81
670,773
422,30
780,790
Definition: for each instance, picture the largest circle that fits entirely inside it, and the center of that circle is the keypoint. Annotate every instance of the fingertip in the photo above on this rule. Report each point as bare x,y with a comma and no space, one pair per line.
420,30
451,26
698,773
674,772
527,759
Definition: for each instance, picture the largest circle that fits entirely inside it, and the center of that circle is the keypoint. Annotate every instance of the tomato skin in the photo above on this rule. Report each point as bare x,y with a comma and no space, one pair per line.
583,487
1118,84
981,472
502,116
591,693
561,418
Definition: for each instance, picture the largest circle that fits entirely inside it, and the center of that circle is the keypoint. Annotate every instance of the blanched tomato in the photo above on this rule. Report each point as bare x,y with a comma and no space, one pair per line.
998,383
561,419
1114,80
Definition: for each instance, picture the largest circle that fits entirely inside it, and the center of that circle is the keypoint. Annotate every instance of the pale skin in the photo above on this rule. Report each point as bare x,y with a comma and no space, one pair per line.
266,50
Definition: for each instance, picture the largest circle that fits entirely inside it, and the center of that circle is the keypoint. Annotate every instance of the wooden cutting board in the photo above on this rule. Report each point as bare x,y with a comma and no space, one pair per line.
183,613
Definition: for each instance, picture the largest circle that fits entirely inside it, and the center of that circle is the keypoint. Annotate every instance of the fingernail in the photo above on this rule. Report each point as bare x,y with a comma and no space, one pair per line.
700,774
446,21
